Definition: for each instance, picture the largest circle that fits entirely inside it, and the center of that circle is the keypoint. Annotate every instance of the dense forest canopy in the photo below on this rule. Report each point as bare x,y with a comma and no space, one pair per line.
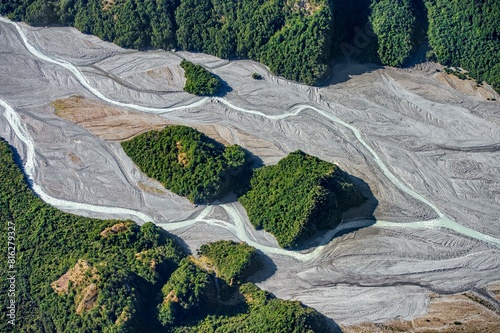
200,81
297,39
77,274
109,259
233,262
467,34
188,162
262,312
298,197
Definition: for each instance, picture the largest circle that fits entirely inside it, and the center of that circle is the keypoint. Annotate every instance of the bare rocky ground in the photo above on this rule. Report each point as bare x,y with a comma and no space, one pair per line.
439,136
449,314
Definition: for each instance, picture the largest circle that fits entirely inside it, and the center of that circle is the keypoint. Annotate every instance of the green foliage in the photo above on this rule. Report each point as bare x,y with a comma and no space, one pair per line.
128,23
297,197
291,37
41,12
284,316
467,34
300,49
50,242
265,314
188,299
199,81
254,296
188,293
195,21
188,162
394,23
234,262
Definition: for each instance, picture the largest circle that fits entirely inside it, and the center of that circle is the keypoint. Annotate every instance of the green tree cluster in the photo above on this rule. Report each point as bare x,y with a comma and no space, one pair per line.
234,262
394,24
467,34
292,200
297,197
188,162
300,50
200,81
143,279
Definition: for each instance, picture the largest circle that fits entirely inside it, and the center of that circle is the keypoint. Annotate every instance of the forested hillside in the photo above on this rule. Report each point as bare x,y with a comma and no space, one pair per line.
298,197
457,33
76,274
233,262
297,39
394,23
467,34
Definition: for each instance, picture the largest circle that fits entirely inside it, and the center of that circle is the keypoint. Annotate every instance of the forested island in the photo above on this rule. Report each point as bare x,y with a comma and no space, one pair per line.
77,274
231,261
200,81
298,197
188,163
297,39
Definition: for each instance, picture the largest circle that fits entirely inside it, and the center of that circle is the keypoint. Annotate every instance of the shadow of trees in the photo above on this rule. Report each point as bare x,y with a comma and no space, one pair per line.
360,217
268,269
225,87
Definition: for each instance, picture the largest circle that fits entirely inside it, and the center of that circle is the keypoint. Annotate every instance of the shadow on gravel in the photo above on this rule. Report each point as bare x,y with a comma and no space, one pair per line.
360,217
257,162
238,181
268,269
364,212
367,208
225,89
334,327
